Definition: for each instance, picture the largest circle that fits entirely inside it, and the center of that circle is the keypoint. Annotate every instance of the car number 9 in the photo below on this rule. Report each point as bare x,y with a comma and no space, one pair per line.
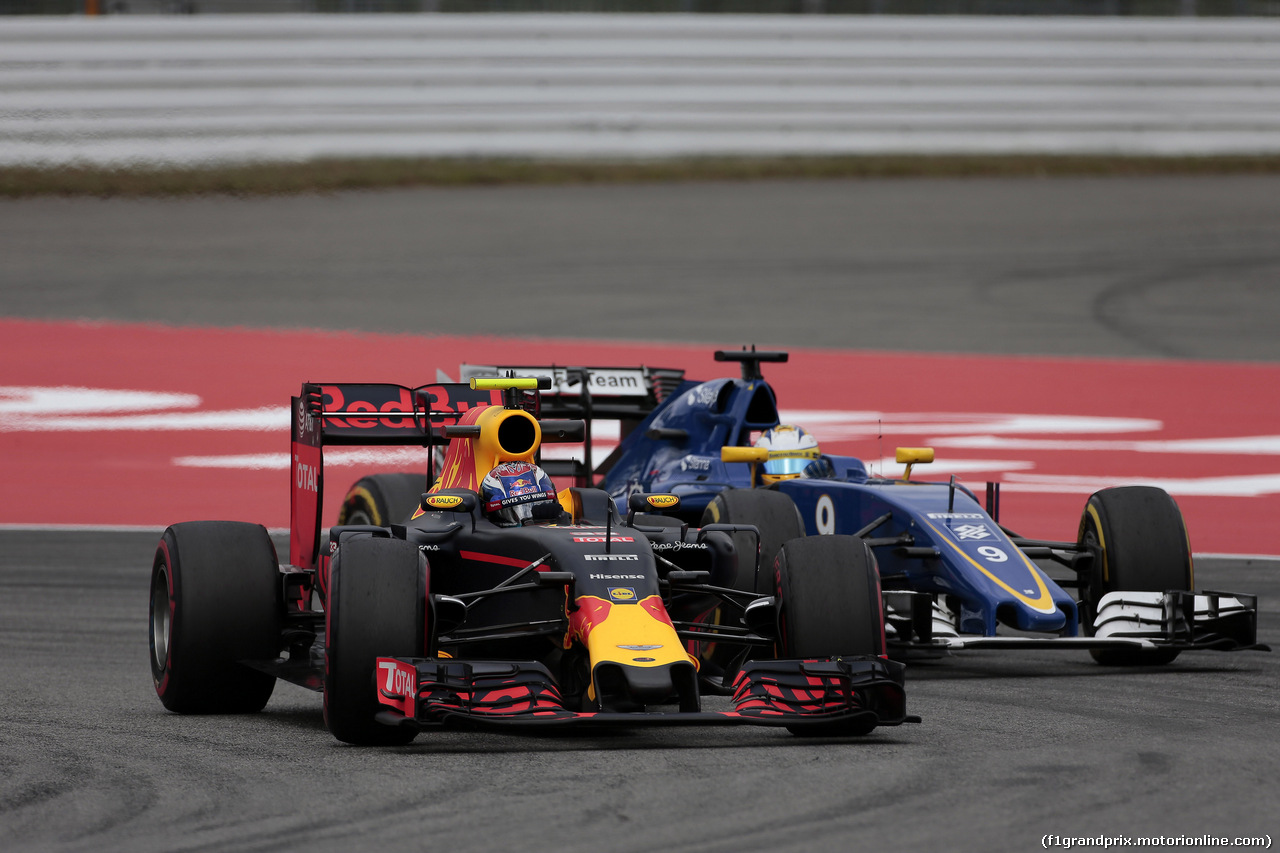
825,516
993,554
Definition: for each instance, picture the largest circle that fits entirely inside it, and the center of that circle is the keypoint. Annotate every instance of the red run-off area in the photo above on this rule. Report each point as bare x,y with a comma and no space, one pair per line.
104,424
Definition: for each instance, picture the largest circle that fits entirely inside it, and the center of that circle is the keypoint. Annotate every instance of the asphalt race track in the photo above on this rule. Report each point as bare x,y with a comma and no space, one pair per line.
1129,267
1014,745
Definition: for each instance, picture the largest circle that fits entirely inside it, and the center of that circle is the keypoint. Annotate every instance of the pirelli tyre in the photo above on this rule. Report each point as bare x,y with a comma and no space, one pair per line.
828,589
1140,543
376,608
773,513
216,601
382,499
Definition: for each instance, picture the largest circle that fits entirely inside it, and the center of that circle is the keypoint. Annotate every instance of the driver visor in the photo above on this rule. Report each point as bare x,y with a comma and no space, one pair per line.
788,465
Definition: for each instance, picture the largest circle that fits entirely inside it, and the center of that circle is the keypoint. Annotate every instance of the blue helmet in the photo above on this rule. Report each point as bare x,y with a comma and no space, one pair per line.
515,491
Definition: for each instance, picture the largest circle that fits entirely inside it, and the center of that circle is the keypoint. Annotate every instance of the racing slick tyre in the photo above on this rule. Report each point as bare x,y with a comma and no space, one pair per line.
376,608
828,588
1140,543
382,499
216,600
778,520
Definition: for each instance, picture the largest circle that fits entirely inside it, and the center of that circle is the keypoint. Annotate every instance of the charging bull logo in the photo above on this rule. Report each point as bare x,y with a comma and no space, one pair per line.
613,628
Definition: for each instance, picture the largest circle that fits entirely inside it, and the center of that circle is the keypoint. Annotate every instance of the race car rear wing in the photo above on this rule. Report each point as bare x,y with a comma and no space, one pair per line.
623,394
366,414
614,393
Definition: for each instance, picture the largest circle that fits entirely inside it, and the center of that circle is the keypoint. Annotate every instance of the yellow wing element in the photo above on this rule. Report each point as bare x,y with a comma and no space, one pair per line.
755,456
912,456
744,454
521,383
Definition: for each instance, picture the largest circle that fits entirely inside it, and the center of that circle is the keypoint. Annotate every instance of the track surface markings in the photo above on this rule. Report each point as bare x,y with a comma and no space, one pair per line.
106,424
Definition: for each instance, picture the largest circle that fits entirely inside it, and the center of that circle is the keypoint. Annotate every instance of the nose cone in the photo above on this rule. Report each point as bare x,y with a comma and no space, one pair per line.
622,687
1017,614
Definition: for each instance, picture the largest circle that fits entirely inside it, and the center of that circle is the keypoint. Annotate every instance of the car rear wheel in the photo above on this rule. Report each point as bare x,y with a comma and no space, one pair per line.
215,601
828,588
382,499
773,513
1140,544
376,608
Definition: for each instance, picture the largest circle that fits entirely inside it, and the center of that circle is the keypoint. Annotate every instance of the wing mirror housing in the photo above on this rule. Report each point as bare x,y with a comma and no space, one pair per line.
448,502
912,456
754,456
644,502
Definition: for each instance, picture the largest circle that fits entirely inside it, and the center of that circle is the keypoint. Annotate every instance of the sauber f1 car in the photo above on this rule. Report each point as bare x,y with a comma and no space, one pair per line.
448,611
953,577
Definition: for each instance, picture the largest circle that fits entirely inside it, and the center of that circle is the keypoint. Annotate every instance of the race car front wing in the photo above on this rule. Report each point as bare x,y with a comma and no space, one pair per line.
425,693
1178,619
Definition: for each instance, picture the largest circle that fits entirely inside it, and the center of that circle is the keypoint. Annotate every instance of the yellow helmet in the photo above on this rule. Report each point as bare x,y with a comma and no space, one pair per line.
791,449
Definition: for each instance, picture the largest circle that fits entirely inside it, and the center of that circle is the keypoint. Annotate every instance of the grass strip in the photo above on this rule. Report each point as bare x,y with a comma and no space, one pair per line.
327,176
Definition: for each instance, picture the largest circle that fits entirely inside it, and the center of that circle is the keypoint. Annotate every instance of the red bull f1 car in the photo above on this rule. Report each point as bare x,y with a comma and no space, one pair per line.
953,577
428,606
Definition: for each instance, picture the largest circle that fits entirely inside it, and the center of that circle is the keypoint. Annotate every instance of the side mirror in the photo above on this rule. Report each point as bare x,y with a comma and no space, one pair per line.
448,502
755,456
744,454
563,430
643,502
912,456
653,502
